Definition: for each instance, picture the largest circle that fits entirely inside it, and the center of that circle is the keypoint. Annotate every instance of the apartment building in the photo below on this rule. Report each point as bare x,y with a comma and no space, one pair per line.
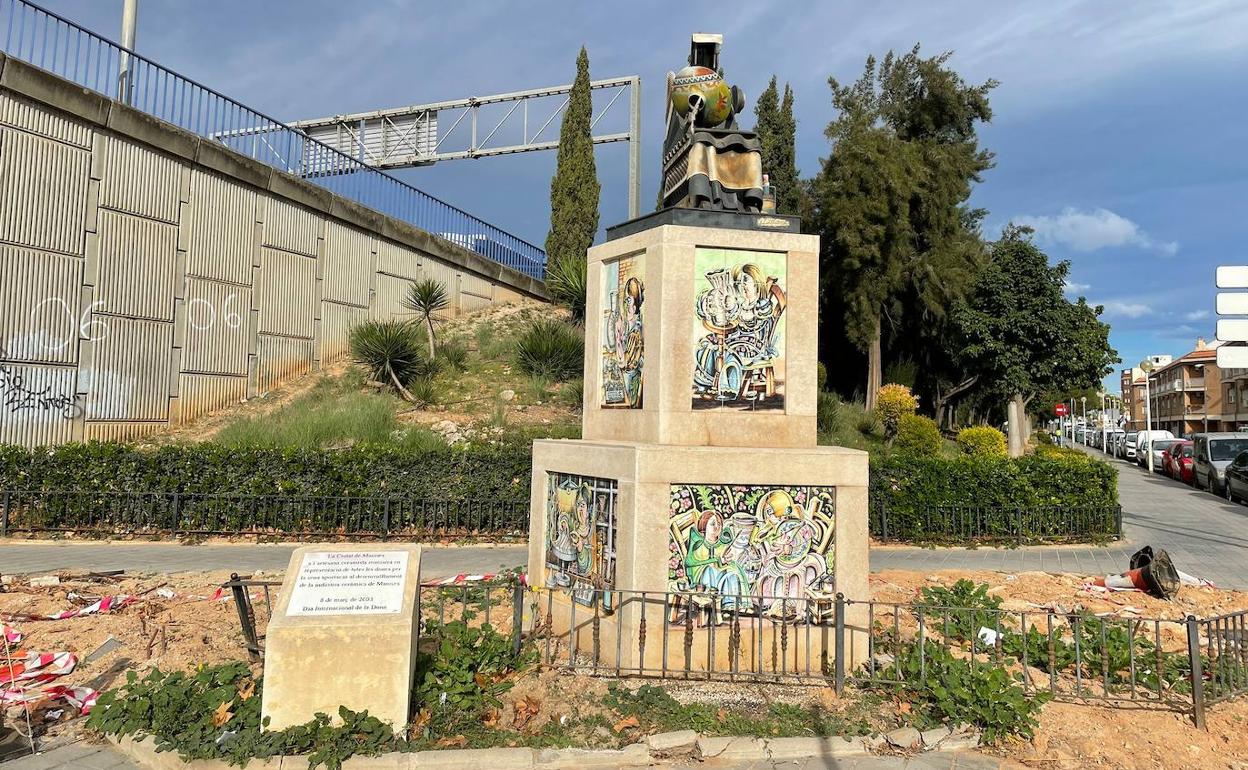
1132,384
1187,394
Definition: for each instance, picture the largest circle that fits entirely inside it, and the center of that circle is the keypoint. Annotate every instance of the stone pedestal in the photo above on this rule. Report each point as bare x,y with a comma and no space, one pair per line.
697,524
343,633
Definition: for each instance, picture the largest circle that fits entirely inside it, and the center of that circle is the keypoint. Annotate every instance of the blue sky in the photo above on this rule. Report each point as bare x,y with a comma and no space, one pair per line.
1119,128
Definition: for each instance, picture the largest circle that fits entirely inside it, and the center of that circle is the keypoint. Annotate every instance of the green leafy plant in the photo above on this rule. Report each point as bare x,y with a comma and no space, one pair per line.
214,713
552,349
568,281
827,411
947,690
982,440
391,352
424,391
469,670
959,611
917,436
427,298
892,402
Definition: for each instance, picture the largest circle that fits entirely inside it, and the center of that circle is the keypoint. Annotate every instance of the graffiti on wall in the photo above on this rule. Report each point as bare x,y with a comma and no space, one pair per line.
754,546
16,396
623,295
738,329
580,535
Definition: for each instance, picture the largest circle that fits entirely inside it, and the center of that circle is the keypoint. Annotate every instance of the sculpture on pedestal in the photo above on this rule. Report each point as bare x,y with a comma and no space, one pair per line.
708,161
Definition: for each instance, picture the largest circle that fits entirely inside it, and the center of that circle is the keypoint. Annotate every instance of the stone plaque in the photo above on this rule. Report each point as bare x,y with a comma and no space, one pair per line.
343,633
349,583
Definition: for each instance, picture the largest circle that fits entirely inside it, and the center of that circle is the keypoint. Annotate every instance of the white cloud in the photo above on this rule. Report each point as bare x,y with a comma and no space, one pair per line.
1093,230
1118,308
1075,289
1196,315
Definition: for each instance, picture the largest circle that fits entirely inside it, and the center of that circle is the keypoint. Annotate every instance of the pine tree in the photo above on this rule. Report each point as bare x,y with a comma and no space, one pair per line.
777,132
574,188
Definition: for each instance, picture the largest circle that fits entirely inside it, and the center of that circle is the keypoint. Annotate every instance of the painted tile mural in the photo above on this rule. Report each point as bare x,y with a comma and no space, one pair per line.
623,294
755,545
738,329
580,535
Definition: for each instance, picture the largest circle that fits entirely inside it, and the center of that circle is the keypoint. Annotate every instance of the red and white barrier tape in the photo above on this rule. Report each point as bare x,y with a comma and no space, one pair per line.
11,635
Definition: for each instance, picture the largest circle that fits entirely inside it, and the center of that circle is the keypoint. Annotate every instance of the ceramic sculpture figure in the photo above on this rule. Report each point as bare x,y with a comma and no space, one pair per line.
709,162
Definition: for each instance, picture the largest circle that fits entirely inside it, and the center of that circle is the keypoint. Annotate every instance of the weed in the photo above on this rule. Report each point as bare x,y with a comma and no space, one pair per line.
453,355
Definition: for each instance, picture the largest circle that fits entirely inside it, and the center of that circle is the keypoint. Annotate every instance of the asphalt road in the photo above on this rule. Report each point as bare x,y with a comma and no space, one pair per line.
1205,535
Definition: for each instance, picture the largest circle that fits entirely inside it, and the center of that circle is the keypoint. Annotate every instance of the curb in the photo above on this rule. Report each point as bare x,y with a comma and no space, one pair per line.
655,748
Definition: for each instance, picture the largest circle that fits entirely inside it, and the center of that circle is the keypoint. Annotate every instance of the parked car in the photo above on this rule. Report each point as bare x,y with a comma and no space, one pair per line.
1235,478
1177,463
1159,447
1212,453
1144,440
1115,437
1128,446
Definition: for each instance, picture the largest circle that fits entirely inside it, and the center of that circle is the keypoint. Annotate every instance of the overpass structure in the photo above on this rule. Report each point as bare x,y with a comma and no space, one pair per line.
422,134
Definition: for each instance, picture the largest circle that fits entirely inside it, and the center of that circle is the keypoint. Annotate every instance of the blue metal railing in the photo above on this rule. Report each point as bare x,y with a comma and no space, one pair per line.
56,44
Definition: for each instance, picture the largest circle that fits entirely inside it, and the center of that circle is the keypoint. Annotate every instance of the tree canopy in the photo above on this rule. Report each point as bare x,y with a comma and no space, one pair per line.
898,237
777,132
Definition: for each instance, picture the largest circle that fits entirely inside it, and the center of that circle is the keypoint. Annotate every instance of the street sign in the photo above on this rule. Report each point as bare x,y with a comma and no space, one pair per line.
1232,357
1233,277
1232,303
1233,329
1061,410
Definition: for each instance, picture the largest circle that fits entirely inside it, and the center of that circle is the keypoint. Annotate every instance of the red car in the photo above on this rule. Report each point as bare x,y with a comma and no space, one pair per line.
1177,462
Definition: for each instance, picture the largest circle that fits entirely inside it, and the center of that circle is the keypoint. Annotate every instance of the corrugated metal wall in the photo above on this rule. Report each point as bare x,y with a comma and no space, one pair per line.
138,291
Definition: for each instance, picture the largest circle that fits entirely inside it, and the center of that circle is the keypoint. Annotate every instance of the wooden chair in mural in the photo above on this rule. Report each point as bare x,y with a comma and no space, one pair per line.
759,377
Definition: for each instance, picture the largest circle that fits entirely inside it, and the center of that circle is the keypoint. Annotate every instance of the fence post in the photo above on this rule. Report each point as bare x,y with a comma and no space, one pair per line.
385,520
517,616
1118,522
243,602
839,638
4,515
177,512
1198,675
1018,524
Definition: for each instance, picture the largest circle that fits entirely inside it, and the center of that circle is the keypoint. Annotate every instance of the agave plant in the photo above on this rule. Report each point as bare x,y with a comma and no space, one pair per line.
567,281
551,349
427,298
391,351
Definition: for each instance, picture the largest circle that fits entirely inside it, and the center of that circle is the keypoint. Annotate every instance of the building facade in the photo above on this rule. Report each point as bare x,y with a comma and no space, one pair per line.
1187,394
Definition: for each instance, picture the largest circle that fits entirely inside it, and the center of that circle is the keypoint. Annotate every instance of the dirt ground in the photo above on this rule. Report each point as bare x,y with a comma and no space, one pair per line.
187,628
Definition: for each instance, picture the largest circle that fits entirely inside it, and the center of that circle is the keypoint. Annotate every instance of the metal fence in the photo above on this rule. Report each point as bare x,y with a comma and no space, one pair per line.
157,513
1018,524
825,639
56,44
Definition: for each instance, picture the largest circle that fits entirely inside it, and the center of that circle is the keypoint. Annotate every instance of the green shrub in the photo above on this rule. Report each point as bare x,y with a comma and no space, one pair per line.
481,473
945,689
550,349
424,391
891,403
917,436
392,352
1041,437
567,281
916,491
821,377
869,424
453,355
573,393
467,672
182,713
982,440
828,409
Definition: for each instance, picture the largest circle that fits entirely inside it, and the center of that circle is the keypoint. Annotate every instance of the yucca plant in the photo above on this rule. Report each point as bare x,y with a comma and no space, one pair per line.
454,354
551,349
391,351
427,298
567,281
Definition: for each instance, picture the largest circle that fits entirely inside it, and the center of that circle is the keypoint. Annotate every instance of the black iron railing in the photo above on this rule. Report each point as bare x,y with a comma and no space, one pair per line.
173,513
1018,524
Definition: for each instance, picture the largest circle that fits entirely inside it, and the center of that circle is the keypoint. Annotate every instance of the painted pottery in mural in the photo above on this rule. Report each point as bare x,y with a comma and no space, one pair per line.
754,547
703,92
738,330
580,535
622,333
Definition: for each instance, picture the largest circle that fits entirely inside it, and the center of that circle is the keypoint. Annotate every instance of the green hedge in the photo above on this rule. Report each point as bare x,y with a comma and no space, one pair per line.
1037,497
498,474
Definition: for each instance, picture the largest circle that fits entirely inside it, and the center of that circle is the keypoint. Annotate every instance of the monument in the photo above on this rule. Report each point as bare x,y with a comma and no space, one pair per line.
698,480
343,633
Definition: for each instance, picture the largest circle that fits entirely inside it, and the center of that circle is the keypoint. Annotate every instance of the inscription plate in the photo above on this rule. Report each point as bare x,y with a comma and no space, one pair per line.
349,583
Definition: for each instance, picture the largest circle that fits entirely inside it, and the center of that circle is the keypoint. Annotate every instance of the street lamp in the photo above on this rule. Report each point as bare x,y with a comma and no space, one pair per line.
1147,366
1084,401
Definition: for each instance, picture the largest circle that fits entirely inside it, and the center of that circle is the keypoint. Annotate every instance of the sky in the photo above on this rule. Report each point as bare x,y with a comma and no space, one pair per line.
1118,127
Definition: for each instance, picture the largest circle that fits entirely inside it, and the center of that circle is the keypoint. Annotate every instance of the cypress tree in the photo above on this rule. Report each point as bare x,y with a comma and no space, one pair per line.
777,131
574,188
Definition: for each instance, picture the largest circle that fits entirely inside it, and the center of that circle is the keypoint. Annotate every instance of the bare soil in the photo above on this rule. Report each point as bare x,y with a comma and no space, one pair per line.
189,629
